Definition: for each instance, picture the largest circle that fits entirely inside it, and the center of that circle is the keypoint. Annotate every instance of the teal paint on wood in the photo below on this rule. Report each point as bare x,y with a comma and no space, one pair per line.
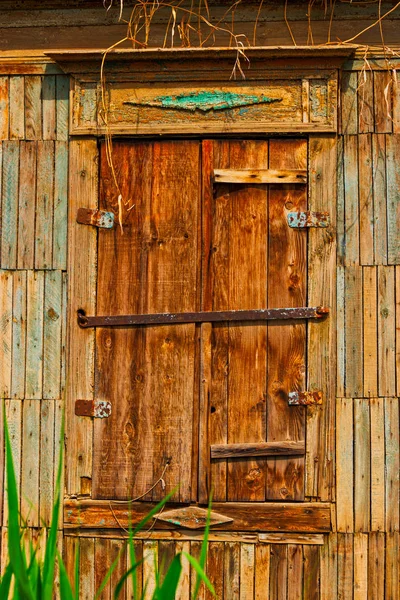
6,284
47,464
9,214
62,95
17,111
60,206
380,199
44,205
19,335
52,335
34,342
351,208
49,107
29,464
14,422
393,197
64,331
33,108
206,101
26,213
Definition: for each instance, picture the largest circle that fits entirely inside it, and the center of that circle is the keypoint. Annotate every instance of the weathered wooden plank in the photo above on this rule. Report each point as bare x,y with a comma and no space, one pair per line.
30,463
311,588
14,421
383,101
380,199
377,464
59,443
87,568
349,118
183,589
47,464
261,576
17,112
284,448
295,572
351,206
393,198
60,206
247,566
345,565
34,335
49,107
386,332
287,266
64,333
52,335
44,205
392,464
81,294
341,235
278,580
33,107
18,334
392,587
366,199
232,571
365,102
204,484
101,565
260,176
344,464
62,104
360,566
321,342
26,205
376,565
150,557
285,538
6,304
4,107
340,327
329,569
9,208
370,332
362,465
353,332
397,329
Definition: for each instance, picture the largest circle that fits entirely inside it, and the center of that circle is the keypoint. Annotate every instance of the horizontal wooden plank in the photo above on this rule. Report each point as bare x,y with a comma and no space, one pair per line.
260,176
305,517
292,538
259,449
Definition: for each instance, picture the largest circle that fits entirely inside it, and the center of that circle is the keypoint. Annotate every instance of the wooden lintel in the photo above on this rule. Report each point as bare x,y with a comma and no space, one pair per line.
285,448
260,176
304,517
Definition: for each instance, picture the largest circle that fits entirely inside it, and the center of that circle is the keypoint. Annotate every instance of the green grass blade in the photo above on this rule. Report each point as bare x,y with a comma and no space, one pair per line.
132,556
6,582
169,586
203,552
66,592
16,555
118,587
200,572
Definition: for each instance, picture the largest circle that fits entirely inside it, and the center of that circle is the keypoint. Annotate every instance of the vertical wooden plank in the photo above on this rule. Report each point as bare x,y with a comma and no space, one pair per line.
17,112
353,332
345,566
81,294
351,215
262,561
33,107
383,101
398,329
340,335
195,550
6,304
392,464
362,465
49,107
247,572
47,466
183,589
14,422
386,332
392,587
380,199
18,334
150,558
278,579
62,96
87,568
118,554
166,554
9,208
34,335
232,570
102,562
366,200
44,205
69,552
30,463
64,332
393,197
311,584
295,572
329,568
131,592
360,566
349,119
59,442
344,464
4,107
60,206
340,225
370,331
377,464
26,205
376,566
287,268
321,347
52,334
365,102
204,485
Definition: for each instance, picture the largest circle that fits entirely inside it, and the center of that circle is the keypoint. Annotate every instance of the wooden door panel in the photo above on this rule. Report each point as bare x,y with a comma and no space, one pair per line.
148,373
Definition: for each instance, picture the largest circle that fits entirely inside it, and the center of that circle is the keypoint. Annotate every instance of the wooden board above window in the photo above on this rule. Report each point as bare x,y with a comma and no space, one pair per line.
192,91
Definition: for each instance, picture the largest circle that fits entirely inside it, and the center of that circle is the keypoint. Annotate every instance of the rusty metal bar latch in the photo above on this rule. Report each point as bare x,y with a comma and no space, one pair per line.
99,409
268,314
96,218
302,220
304,398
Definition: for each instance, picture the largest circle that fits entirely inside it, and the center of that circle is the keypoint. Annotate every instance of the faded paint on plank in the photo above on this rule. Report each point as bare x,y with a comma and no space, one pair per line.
386,332
49,107
366,201
17,112
33,108
365,102
393,197
349,120
377,464
52,335
340,335
345,566
247,556
30,464
9,210
6,304
362,465
34,335
351,206
13,409
19,316
87,568
344,464
370,332
62,107
383,101
4,108
380,199
60,217
232,571
44,205
47,464
353,332
392,464
26,206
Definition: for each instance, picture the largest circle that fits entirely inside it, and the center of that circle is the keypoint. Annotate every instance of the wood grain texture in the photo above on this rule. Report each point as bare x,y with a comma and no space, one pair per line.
47,462
380,199
383,101
365,102
44,205
19,306
295,572
351,205
386,331
353,331
4,107
360,566
34,335
349,117
329,568
62,108
366,200
27,205
52,335
391,409
60,208
377,464
13,412
17,112
376,568
344,464
370,332
29,465
49,107
6,304
345,572
9,204
362,465
258,449
393,199
33,107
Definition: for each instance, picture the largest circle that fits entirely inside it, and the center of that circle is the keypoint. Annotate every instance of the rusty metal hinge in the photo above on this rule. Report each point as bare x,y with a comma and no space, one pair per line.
307,218
97,218
99,409
305,398
192,517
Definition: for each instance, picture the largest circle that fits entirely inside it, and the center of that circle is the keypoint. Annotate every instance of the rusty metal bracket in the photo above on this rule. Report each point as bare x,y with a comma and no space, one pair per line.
301,220
97,218
99,409
192,517
304,398
268,314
